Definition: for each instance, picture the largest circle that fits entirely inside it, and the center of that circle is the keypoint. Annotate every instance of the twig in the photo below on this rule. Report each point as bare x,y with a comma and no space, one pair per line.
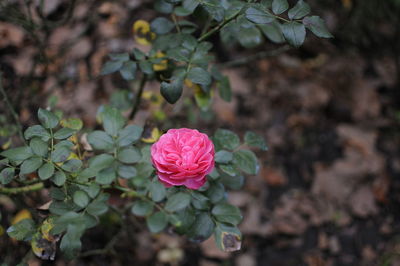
245,60
17,190
220,26
11,108
138,97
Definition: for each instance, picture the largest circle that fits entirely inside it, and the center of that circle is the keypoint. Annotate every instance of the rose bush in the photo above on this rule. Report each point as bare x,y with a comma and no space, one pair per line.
83,172
183,157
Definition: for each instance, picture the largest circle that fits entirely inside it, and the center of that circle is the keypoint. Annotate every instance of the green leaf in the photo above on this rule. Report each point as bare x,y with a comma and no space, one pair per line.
81,198
157,191
214,174
142,208
111,67
128,70
30,165
183,220
126,171
227,139
7,175
47,118
71,244
227,213
39,147
254,140
157,222
223,156
190,5
228,169
18,154
129,135
246,161
146,67
300,10
66,143
72,123
172,91
64,133
227,238
266,3
72,166
215,9
46,171
279,6
97,208
199,201
216,192
129,155
202,228
113,121
232,182
163,7
144,169
57,193
161,25
189,42
259,16
93,190
121,99
224,89
23,230
273,32
119,57
100,140
37,131
317,26
60,154
61,223
199,76
177,202
179,54
90,221
249,37
294,33
203,99
106,176
101,161
60,207
59,178
139,55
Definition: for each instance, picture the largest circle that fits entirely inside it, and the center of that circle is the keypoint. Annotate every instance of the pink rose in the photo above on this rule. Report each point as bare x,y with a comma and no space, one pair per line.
183,157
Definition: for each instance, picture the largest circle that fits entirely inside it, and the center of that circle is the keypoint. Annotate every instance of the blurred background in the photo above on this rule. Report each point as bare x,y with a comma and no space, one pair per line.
328,191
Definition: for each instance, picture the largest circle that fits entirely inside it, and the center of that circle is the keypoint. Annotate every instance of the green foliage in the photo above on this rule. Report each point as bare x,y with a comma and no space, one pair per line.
180,58
23,230
179,54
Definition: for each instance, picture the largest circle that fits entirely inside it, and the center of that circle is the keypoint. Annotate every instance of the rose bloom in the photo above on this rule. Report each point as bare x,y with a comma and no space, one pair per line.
183,157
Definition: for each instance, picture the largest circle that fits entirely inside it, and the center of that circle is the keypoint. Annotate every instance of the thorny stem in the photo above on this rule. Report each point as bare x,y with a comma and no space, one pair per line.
176,23
219,27
245,60
11,108
17,190
138,97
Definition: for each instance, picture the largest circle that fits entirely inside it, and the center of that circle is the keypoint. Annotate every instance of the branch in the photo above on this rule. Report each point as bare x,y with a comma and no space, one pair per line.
11,108
138,97
245,60
220,26
17,190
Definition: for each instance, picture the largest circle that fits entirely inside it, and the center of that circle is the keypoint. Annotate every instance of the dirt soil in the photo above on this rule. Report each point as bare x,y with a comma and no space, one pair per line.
328,189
